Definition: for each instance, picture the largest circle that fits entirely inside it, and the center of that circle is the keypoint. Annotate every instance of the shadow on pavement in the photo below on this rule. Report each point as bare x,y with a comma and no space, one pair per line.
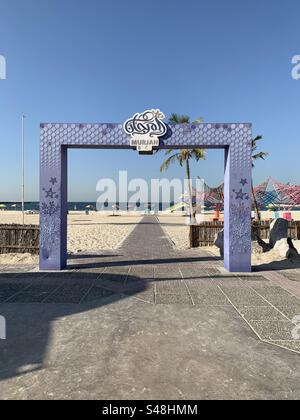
155,261
61,294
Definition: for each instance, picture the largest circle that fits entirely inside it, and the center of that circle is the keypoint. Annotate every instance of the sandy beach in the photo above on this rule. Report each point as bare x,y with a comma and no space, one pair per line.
100,231
178,232
86,233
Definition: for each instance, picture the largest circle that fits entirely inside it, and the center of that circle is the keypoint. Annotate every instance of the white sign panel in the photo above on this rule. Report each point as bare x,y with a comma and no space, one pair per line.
145,130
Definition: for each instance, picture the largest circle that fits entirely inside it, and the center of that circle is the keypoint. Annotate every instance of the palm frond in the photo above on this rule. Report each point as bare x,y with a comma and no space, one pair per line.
260,155
257,138
198,154
168,162
169,151
254,142
179,119
197,121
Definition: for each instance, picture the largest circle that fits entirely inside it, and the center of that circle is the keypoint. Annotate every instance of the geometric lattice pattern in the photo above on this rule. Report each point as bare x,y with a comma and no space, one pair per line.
53,136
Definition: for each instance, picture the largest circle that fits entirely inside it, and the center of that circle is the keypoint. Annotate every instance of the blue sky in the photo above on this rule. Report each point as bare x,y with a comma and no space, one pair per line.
101,61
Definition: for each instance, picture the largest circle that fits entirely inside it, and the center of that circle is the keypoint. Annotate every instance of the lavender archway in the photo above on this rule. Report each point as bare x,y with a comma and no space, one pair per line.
235,139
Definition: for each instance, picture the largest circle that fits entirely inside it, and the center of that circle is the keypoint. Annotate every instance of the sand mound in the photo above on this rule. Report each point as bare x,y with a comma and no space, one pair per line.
15,259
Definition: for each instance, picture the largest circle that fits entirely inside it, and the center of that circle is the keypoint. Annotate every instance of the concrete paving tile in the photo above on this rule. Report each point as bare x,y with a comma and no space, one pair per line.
199,283
173,299
86,275
29,275
7,290
290,311
230,281
167,274
247,301
294,279
273,330
95,293
290,345
71,293
267,291
71,364
209,299
194,273
284,300
255,284
170,287
254,278
292,275
201,277
243,296
7,275
35,293
206,294
147,295
259,313
112,276
60,275
117,287
144,272
213,271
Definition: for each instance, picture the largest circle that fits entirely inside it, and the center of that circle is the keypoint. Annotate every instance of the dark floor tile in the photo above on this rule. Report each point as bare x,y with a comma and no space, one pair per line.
7,290
70,293
35,293
96,293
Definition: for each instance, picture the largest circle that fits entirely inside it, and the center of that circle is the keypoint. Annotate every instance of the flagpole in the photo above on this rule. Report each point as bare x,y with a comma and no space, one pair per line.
23,171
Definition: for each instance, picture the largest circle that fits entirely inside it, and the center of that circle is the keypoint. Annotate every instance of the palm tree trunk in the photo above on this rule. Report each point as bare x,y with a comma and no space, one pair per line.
188,175
255,204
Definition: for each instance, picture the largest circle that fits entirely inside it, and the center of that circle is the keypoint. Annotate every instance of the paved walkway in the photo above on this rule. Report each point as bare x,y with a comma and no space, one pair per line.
147,321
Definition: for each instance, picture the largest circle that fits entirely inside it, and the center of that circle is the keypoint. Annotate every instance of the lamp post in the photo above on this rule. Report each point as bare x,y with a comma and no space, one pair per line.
23,171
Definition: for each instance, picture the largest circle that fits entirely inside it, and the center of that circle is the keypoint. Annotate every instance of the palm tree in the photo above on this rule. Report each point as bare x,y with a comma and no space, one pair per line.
255,156
183,156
